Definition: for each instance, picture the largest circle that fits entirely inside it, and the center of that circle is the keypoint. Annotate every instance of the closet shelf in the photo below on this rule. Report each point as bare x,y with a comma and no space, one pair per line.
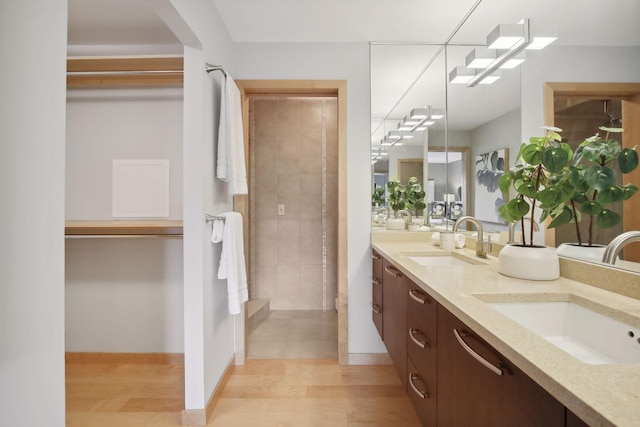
124,228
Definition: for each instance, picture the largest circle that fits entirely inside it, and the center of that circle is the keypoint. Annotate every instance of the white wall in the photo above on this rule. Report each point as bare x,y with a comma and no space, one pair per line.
32,117
122,295
209,329
570,64
340,61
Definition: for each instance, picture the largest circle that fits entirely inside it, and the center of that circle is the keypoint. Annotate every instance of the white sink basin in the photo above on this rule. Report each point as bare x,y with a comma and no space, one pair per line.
585,334
442,258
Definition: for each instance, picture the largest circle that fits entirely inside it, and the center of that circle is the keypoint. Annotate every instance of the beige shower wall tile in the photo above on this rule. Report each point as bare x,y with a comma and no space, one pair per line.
332,150
310,151
266,200
332,286
265,150
311,113
310,196
332,113
311,241
288,241
266,237
266,281
289,188
332,241
310,287
332,195
288,113
287,290
264,112
288,150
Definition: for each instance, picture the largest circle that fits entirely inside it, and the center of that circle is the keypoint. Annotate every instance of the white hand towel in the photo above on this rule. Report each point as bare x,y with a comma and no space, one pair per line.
230,165
216,231
232,263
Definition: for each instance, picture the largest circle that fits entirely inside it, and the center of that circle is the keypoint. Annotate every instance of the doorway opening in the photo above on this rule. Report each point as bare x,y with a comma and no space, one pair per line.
295,137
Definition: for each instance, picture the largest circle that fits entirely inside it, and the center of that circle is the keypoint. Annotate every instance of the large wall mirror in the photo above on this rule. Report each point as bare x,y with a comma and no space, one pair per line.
489,122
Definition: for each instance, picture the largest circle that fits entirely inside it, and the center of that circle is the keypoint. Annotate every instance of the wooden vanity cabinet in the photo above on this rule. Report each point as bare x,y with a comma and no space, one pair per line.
376,285
478,386
394,325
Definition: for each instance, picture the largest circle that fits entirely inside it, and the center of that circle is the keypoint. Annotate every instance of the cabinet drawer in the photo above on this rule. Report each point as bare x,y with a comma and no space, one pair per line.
423,309
377,264
376,289
422,349
376,313
422,395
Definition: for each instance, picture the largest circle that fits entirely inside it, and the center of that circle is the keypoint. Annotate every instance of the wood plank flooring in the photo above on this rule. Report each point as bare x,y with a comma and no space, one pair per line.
262,393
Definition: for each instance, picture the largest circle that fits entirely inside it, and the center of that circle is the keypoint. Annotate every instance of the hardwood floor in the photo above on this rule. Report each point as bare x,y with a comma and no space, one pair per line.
262,393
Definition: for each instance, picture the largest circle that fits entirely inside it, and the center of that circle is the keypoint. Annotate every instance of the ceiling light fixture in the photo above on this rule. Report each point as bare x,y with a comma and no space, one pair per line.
504,49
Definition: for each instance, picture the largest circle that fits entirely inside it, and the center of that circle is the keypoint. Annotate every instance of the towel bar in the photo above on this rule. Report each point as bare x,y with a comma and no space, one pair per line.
210,218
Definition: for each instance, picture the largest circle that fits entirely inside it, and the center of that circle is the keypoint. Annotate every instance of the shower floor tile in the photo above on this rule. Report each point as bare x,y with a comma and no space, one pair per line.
296,334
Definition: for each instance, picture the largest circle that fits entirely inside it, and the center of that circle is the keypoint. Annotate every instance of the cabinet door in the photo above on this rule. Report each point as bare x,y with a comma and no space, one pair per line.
376,285
574,421
394,326
477,386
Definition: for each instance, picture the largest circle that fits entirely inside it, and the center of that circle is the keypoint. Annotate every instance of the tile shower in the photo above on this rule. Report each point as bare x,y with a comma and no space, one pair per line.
293,206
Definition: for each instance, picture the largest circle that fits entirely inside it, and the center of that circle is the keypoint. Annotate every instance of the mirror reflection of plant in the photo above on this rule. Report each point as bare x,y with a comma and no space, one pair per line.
593,184
377,198
530,178
397,194
415,196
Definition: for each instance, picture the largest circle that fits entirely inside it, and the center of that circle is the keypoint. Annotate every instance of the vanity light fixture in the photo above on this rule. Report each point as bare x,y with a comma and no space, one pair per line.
396,135
462,75
505,47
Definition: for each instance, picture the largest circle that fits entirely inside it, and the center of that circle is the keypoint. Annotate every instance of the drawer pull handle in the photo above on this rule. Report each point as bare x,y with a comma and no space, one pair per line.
475,355
376,281
421,344
418,296
376,309
375,256
393,271
419,392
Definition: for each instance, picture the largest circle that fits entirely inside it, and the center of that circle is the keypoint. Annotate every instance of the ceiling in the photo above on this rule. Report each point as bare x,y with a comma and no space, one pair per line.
395,69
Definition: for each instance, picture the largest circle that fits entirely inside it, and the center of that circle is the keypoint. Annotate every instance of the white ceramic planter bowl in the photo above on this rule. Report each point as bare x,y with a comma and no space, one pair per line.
529,262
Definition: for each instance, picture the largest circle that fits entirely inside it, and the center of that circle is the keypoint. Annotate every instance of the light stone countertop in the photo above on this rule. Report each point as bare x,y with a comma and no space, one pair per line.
602,395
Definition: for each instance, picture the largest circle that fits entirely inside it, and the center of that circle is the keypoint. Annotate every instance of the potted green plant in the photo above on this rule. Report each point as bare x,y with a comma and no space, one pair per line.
415,196
536,192
397,194
591,179
377,198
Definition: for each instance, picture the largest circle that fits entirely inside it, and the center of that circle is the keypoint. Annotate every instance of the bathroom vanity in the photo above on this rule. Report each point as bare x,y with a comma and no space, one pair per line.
462,362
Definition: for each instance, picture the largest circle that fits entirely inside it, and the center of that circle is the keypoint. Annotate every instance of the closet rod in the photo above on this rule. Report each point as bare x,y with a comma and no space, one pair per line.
122,73
123,236
210,68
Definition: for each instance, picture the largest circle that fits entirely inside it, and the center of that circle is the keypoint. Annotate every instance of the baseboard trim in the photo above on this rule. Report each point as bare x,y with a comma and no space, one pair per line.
369,359
133,358
200,417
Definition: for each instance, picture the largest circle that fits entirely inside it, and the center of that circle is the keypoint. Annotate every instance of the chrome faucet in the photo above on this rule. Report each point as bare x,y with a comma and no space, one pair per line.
481,246
404,212
512,228
615,246
385,209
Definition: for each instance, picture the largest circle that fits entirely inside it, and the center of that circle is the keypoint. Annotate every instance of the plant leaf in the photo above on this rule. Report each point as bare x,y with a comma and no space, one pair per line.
554,159
591,208
564,217
612,194
628,190
532,153
627,160
600,177
607,219
505,182
528,189
517,208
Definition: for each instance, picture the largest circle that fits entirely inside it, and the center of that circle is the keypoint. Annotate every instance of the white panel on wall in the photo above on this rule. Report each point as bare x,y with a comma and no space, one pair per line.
140,188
